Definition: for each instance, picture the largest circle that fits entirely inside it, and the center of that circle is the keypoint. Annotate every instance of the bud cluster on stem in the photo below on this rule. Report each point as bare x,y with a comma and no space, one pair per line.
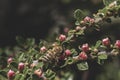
64,52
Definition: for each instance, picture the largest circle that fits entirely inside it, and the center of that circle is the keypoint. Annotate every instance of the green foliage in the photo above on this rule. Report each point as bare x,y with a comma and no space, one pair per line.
19,77
83,66
102,56
50,62
3,75
107,2
78,15
98,43
50,74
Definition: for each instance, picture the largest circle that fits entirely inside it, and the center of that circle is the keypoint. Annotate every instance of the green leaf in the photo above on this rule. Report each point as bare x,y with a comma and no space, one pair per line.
83,66
102,56
104,11
74,52
14,65
50,75
43,43
78,15
77,23
81,32
40,64
98,43
19,77
20,40
71,32
3,78
69,37
21,57
107,2
68,61
30,41
100,61
3,74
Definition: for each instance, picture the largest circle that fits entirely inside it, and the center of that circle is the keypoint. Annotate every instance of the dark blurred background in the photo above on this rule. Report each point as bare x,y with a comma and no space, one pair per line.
35,18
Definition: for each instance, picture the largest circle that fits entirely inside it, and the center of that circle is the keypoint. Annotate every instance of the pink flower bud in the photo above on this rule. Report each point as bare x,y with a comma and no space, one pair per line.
78,28
66,30
21,66
117,44
62,37
87,19
85,47
9,60
67,52
43,49
10,74
83,56
92,20
106,42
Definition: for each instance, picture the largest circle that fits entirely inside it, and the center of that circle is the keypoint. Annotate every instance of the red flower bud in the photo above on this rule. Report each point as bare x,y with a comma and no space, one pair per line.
21,66
83,56
10,74
67,52
85,47
9,60
62,37
43,49
117,44
106,42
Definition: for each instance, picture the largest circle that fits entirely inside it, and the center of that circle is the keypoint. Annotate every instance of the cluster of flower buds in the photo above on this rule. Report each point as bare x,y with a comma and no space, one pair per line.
87,21
106,42
85,49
